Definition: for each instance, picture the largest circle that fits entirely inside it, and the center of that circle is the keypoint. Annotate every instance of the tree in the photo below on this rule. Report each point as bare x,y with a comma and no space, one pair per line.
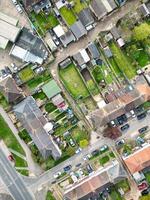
141,32
83,143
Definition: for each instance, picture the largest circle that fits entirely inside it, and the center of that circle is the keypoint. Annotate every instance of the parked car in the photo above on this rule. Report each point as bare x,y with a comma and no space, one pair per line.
144,192
57,174
132,113
14,2
19,9
120,143
125,127
78,165
71,142
95,152
67,168
141,116
87,157
14,67
89,168
140,140
78,150
142,186
143,129
103,148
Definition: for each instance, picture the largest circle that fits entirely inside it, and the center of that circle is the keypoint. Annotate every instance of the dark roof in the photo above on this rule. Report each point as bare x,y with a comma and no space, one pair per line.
29,3
93,50
67,38
115,32
10,90
112,4
32,119
98,8
78,29
86,17
40,5
32,43
145,10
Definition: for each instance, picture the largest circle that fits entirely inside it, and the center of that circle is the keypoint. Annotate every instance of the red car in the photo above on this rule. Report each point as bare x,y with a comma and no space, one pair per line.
143,186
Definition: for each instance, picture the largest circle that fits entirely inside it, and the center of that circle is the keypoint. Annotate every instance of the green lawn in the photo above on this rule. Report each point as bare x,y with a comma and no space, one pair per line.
50,107
124,184
73,82
115,195
37,80
104,160
147,176
43,22
122,61
68,15
92,87
11,142
80,136
40,95
78,6
26,74
49,196
3,102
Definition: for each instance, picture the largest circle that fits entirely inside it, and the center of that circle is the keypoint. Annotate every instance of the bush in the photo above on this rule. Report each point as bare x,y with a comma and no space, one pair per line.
104,160
49,107
25,136
83,143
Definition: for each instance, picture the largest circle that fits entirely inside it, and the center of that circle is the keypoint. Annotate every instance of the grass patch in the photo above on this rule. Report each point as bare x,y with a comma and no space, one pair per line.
146,105
37,80
122,61
115,195
104,160
112,155
92,87
50,196
124,184
40,95
44,22
3,101
11,142
80,135
147,176
50,107
60,116
98,74
68,15
78,6
26,74
25,136
73,82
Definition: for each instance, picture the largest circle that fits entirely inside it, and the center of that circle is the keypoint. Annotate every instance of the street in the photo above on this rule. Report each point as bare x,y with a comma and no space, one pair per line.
12,180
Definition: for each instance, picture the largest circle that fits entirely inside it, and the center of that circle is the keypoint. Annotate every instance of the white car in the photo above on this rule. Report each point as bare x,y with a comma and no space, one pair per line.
14,2
57,174
78,150
19,9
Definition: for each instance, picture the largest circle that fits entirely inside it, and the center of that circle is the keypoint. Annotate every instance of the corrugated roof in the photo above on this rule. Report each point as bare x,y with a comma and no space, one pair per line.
78,29
51,89
86,17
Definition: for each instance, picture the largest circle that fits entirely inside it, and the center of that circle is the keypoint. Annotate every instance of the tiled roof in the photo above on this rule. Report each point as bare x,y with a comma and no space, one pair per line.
138,160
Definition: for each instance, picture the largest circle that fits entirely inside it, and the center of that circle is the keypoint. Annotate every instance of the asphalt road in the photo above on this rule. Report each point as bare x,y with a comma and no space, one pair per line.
12,180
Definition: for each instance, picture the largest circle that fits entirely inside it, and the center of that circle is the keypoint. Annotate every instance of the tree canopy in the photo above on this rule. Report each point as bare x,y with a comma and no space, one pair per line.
141,32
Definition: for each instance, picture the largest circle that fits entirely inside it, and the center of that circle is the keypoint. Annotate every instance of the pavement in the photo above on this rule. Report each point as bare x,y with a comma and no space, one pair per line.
12,180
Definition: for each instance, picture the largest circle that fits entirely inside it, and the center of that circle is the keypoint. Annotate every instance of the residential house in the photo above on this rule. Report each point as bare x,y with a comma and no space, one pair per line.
37,126
86,18
93,51
8,30
36,5
78,30
115,32
138,161
10,90
107,52
29,48
102,8
65,37
59,101
81,58
51,89
90,186
145,9
126,100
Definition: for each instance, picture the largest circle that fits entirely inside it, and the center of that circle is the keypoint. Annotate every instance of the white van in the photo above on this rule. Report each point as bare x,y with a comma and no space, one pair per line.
14,2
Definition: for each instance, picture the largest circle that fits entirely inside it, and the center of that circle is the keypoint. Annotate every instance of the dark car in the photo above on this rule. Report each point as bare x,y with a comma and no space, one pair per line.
143,129
125,127
95,152
141,116
89,168
67,168
144,192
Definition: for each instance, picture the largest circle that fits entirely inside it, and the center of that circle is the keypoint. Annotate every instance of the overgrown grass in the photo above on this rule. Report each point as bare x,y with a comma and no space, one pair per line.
68,15
26,74
122,61
73,82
